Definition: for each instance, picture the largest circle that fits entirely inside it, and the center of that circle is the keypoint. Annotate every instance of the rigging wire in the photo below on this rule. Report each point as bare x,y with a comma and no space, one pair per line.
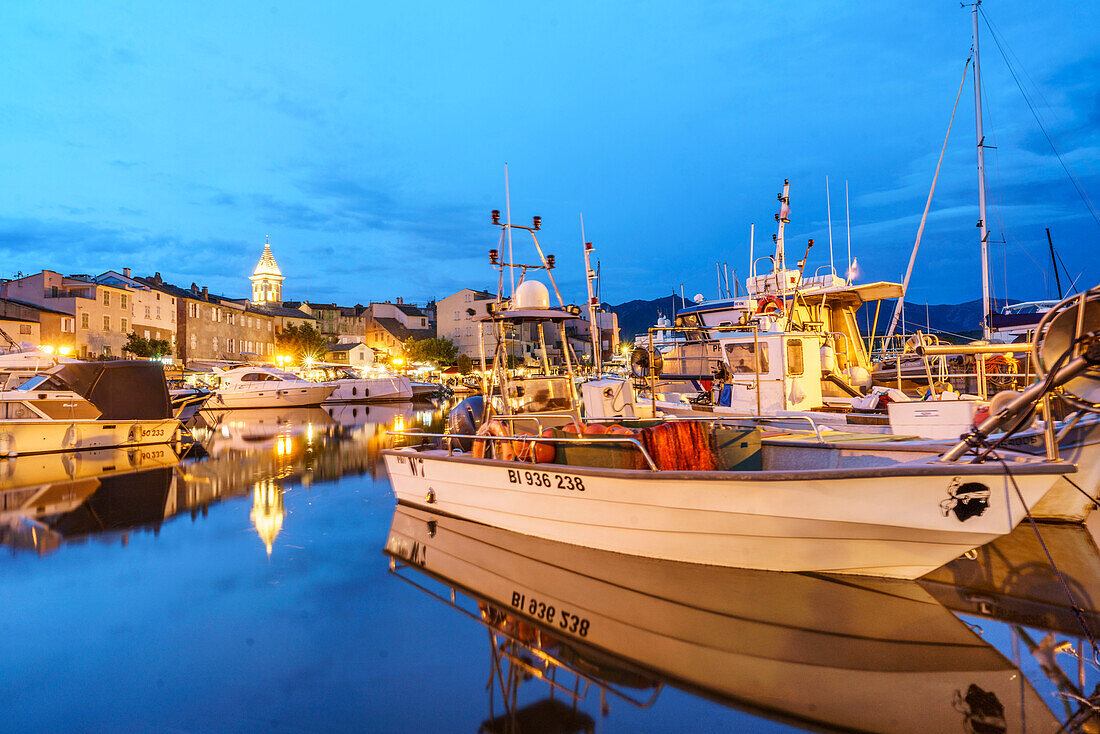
1038,119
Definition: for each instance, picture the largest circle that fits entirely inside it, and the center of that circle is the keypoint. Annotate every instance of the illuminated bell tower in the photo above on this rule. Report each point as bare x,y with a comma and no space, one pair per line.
267,280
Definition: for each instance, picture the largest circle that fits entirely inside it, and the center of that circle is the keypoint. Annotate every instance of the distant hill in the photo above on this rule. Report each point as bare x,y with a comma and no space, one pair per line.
964,319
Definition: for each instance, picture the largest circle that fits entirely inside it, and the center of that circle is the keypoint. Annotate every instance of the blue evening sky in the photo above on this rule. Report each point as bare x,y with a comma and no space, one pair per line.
369,140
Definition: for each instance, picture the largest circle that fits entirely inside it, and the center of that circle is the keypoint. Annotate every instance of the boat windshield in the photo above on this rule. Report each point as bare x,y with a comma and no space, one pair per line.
539,394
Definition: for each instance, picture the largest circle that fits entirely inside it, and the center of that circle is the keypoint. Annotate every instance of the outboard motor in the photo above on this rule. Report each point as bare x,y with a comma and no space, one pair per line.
464,420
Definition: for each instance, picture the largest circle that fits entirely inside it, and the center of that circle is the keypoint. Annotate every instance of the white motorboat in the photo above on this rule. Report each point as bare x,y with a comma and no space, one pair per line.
353,386
87,405
265,387
818,652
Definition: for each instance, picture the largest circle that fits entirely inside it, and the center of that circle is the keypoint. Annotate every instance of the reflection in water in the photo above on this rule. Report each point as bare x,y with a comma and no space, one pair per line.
268,511
835,653
49,499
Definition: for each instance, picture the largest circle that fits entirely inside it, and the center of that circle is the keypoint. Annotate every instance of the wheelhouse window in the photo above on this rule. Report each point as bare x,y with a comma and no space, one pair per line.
795,366
745,359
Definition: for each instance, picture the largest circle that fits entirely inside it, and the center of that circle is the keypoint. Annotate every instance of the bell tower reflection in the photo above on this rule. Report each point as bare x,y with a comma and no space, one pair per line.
268,511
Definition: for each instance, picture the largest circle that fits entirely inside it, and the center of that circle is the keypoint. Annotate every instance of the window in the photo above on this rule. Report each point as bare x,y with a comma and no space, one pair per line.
158,313
456,315
743,359
106,323
468,331
214,343
146,333
123,301
24,328
68,325
193,345
124,325
146,312
794,357
106,298
84,321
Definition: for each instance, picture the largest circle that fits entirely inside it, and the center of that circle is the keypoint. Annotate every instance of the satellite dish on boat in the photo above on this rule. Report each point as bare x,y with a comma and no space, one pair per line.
531,294
698,298
1073,317
640,363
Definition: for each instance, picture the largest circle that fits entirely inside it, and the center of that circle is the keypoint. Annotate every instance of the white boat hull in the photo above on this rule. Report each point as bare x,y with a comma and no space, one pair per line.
885,522
371,389
293,394
46,436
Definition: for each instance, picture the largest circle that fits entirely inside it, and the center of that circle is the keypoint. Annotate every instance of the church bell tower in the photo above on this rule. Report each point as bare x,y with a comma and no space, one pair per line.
267,280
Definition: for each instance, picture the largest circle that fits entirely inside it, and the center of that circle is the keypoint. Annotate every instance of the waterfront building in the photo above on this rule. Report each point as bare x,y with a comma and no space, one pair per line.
391,324
352,353
337,323
153,312
50,328
455,316
101,314
213,330
267,279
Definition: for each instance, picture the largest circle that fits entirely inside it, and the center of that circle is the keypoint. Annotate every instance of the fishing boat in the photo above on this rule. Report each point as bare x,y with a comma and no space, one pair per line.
265,387
697,491
813,651
87,405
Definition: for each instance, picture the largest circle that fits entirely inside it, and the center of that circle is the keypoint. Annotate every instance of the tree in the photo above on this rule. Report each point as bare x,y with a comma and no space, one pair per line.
142,347
302,342
440,351
465,364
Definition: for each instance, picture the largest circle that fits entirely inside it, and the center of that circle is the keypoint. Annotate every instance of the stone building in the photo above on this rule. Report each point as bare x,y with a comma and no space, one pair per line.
102,314
154,312
51,327
212,329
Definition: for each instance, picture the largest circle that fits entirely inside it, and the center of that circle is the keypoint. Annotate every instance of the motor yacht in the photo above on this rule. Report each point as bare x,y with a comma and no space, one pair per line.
87,405
265,387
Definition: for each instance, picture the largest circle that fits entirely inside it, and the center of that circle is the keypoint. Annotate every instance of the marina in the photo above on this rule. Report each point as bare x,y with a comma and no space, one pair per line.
454,370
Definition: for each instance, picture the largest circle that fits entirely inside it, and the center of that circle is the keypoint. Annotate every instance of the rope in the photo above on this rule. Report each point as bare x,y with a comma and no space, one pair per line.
1078,612
1027,98
1078,488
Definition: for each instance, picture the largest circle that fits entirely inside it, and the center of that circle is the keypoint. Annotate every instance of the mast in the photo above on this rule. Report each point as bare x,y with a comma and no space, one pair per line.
982,229
829,210
593,324
783,217
1054,262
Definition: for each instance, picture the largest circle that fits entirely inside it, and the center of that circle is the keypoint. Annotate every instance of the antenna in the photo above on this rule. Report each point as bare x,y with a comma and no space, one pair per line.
829,210
848,218
752,232
508,219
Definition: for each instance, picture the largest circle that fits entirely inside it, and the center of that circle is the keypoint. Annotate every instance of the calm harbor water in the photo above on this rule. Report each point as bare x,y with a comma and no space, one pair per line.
267,582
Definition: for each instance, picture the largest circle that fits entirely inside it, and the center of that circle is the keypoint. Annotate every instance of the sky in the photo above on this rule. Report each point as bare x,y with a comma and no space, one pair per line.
369,141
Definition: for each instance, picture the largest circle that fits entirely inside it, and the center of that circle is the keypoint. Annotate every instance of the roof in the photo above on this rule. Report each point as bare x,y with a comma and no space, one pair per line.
409,310
35,306
394,327
344,346
267,267
175,290
284,311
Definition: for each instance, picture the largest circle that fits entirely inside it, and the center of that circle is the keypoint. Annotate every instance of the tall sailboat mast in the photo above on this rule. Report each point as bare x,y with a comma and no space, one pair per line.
982,229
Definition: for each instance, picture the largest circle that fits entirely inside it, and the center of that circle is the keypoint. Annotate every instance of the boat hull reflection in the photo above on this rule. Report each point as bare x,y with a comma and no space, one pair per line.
866,654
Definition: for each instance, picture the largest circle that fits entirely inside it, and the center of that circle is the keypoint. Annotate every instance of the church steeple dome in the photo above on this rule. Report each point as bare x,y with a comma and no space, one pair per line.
267,279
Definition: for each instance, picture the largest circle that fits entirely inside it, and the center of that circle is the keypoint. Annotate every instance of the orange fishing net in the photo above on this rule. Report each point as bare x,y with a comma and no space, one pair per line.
680,446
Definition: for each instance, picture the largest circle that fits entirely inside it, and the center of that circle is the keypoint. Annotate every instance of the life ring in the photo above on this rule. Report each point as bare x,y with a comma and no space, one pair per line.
768,304
493,428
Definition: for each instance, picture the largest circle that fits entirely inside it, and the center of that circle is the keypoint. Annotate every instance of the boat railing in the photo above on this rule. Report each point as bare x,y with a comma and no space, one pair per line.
599,439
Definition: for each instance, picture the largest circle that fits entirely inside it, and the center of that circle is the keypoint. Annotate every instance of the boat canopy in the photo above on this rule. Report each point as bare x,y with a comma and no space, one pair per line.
122,390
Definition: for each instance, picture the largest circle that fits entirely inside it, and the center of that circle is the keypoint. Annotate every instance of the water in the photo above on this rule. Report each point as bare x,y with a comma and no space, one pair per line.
271,585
